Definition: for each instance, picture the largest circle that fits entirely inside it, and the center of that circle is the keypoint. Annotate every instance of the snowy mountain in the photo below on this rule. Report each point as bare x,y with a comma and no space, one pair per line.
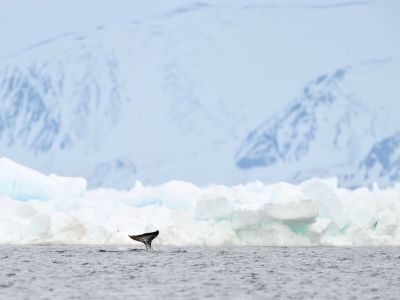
344,124
116,101
171,95
59,102
381,164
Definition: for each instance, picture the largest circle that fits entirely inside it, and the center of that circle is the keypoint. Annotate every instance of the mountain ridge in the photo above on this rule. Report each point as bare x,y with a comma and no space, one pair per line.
333,117
171,97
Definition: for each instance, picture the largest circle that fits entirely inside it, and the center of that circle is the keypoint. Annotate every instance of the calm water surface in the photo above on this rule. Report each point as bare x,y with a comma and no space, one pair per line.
112,272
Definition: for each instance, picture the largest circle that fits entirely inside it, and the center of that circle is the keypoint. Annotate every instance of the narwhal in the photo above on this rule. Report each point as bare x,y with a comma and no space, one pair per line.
145,238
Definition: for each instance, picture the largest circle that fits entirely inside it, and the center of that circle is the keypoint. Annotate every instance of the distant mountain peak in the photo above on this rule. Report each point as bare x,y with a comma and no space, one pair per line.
330,128
288,136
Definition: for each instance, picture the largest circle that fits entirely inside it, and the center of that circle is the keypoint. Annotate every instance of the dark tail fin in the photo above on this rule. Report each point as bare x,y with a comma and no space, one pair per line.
145,238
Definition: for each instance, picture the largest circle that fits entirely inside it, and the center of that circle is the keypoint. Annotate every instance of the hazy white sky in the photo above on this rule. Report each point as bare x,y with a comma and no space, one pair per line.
26,22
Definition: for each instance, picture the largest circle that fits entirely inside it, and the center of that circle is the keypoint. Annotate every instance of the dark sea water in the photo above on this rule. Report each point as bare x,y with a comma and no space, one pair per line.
112,272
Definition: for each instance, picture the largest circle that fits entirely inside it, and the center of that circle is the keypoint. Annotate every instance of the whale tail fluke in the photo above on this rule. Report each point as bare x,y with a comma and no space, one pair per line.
145,238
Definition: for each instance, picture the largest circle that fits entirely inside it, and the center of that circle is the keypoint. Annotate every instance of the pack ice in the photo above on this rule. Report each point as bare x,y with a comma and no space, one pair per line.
40,209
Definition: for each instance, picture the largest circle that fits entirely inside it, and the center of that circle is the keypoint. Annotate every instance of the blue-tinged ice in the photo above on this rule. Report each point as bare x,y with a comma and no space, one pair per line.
35,208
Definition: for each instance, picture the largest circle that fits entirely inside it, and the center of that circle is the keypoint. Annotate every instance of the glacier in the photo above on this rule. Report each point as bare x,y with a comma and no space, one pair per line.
48,209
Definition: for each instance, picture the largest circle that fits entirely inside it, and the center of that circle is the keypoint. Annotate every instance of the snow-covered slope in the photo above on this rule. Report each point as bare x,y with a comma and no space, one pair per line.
381,164
108,104
341,125
58,103
171,95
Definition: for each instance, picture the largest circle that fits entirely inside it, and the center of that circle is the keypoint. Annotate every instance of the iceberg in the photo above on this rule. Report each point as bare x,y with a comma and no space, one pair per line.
22,183
48,209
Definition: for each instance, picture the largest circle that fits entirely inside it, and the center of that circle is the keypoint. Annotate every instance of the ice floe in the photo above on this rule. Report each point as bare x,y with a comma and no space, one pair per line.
40,209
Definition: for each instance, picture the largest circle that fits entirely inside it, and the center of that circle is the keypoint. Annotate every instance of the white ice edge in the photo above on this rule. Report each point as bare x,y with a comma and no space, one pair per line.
40,209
